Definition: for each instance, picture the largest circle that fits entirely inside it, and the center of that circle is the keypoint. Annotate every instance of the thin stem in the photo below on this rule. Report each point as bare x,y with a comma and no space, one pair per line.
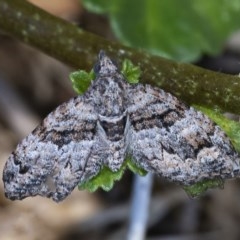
79,49
142,187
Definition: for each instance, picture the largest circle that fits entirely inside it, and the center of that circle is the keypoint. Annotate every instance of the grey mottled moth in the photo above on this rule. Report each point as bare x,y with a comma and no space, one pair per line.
111,120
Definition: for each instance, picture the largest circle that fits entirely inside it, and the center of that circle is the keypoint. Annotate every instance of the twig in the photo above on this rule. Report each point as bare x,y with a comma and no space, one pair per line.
140,207
79,49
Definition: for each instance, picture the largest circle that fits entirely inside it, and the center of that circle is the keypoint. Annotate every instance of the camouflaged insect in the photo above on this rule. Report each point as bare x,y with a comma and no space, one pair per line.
111,120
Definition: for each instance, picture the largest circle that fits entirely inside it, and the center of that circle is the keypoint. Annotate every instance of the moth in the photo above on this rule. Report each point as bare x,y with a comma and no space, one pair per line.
112,120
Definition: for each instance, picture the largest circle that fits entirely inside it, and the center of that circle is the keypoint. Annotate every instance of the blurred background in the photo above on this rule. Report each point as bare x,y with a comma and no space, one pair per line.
33,84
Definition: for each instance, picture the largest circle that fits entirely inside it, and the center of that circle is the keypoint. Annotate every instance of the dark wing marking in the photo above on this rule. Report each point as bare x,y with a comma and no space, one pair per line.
57,155
175,141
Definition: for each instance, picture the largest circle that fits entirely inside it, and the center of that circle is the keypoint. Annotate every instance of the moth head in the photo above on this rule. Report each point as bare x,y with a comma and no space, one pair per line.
105,66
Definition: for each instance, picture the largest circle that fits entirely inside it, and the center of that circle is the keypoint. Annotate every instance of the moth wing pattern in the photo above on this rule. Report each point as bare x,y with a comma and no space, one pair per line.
57,155
176,141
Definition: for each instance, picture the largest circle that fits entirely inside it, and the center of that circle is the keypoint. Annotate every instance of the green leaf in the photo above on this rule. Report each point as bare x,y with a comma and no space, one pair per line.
198,188
131,72
180,30
106,178
134,168
81,80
